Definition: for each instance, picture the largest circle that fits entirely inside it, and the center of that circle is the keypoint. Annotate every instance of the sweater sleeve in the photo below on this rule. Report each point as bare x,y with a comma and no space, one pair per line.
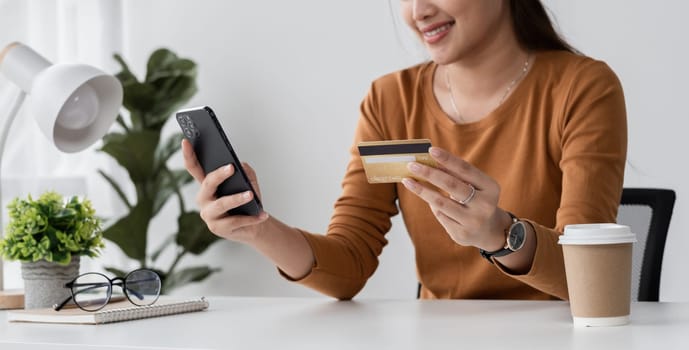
348,254
592,131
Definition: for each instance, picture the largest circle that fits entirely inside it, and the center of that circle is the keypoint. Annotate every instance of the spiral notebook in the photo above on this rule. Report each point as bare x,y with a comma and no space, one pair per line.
113,312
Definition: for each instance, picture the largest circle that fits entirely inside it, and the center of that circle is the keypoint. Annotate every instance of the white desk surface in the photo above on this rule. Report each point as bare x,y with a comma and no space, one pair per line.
326,324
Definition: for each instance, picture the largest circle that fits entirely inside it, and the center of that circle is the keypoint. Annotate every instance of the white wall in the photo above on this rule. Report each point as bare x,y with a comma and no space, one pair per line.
287,78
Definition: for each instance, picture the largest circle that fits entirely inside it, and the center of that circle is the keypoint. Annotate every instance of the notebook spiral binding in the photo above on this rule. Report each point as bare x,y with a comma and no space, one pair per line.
123,314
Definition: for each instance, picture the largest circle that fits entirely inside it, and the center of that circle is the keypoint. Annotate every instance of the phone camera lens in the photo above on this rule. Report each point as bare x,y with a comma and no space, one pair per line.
188,133
188,127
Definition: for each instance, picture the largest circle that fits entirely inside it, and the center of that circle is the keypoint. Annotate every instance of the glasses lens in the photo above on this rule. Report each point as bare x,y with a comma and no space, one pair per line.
142,287
91,291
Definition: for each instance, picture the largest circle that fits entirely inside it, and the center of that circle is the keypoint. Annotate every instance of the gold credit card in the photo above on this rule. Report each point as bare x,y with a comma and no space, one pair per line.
386,161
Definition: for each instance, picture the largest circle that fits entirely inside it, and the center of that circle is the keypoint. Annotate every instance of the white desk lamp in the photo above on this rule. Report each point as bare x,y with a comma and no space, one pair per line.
73,104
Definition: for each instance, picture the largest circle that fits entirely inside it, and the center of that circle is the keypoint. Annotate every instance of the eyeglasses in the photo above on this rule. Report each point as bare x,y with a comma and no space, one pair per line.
92,291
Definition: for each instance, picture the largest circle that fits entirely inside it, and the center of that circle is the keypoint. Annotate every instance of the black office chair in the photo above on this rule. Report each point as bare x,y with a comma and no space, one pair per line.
648,212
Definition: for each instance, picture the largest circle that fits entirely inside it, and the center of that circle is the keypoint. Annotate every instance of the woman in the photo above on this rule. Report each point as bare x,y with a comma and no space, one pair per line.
529,136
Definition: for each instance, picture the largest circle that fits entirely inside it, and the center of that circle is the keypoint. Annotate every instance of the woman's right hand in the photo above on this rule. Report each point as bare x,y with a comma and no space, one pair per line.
214,210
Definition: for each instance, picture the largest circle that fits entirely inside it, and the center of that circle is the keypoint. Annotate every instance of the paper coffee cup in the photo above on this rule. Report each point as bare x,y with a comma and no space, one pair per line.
598,264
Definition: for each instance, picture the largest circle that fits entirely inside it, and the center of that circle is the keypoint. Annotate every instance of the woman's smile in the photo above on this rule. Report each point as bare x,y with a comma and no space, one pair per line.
435,32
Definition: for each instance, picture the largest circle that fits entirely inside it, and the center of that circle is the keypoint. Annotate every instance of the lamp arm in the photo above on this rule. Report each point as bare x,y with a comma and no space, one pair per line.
4,132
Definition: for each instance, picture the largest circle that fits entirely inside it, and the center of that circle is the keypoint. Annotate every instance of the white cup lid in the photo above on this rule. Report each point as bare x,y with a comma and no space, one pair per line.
597,234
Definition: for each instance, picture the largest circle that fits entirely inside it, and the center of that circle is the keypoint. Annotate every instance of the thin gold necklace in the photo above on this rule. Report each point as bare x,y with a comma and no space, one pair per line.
521,75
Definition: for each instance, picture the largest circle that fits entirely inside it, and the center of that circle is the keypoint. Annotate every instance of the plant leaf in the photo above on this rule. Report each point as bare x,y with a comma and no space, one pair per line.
167,183
159,60
173,93
125,76
116,187
137,96
169,240
129,232
173,81
170,83
187,275
115,271
122,123
166,149
193,233
51,228
134,151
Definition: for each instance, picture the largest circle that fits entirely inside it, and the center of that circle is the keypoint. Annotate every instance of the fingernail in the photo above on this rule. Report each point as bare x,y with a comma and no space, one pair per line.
409,184
414,167
434,152
246,195
228,168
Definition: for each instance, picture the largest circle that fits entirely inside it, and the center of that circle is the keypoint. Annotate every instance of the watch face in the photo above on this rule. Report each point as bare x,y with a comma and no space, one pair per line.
517,236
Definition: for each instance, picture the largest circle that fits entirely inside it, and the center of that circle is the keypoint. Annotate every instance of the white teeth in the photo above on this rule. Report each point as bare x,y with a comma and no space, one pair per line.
437,30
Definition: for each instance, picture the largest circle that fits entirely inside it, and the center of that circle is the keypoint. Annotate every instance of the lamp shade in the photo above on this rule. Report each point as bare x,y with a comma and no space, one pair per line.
73,104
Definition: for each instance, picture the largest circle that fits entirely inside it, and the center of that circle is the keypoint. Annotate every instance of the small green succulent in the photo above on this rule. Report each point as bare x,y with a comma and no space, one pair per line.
51,229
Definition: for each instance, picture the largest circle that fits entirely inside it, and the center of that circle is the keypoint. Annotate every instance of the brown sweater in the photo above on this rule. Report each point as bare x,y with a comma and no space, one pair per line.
557,147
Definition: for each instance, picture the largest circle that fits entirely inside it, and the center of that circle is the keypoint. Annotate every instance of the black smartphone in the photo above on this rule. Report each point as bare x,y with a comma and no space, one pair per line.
201,127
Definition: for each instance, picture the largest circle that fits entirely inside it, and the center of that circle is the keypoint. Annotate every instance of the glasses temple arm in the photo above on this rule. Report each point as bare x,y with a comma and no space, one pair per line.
58,307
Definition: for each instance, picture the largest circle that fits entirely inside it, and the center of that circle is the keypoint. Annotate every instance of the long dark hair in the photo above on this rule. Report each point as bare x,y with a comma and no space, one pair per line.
533,27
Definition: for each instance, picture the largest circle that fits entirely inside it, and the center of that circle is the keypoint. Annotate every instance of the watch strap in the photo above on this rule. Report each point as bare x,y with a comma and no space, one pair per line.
504,250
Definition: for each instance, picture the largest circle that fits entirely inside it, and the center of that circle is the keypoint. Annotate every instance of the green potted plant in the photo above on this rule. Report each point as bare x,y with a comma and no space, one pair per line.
139,147
49,235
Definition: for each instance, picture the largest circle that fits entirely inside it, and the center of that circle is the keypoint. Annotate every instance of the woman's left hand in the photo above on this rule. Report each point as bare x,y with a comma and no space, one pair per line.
469,210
